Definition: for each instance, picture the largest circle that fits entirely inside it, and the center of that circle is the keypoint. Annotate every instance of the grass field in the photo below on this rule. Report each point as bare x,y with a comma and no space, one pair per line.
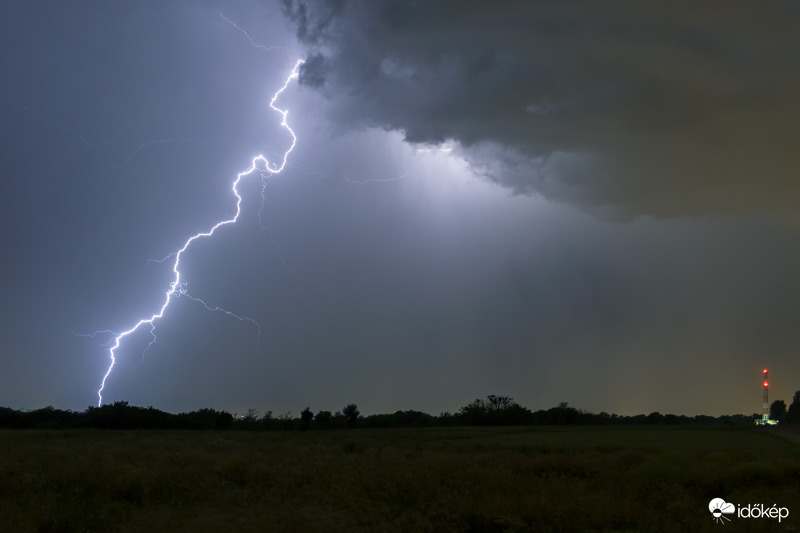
439,479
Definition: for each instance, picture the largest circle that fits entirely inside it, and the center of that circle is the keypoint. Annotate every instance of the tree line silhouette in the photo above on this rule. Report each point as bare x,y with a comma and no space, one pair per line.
492,411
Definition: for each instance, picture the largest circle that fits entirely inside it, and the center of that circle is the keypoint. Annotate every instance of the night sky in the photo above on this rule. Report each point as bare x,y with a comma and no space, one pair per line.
552,201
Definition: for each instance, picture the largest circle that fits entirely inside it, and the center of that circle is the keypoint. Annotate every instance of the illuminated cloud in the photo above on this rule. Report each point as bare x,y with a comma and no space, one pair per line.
662,110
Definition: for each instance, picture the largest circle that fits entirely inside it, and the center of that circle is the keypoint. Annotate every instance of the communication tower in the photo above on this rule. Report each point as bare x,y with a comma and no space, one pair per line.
764,421
765,406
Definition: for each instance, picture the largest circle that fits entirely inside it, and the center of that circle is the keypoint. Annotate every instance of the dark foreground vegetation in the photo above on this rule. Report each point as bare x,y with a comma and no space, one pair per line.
496,479
493,411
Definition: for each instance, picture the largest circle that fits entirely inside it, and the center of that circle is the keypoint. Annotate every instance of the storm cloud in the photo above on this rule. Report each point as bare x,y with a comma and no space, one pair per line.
381,271
632,109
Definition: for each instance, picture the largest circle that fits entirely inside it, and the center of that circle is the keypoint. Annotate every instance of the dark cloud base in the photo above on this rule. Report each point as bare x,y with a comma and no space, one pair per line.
625,110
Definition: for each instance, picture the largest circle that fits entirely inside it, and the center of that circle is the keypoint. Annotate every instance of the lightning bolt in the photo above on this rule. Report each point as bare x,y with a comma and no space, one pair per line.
178,288
275,244
182,291
373,180
252,42
139,147
131,149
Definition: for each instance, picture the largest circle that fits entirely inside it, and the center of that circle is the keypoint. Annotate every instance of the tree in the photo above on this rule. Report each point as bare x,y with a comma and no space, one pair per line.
267,421
494,411
306,416
323,418
777,411
284,420
474,413
249,420
564,414
224,420
793,414
499,403
351,413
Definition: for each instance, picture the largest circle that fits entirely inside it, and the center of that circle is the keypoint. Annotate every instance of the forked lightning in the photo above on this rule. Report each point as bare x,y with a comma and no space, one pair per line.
178,288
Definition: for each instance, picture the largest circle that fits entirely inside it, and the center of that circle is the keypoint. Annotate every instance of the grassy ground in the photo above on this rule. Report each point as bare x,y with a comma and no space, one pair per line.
443,479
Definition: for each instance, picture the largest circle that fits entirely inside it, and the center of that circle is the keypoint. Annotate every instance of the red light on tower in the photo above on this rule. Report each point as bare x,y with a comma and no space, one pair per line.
766,384
765,371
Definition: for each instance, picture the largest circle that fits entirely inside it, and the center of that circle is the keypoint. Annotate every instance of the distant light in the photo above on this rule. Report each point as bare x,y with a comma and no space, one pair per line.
766,384
765,371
